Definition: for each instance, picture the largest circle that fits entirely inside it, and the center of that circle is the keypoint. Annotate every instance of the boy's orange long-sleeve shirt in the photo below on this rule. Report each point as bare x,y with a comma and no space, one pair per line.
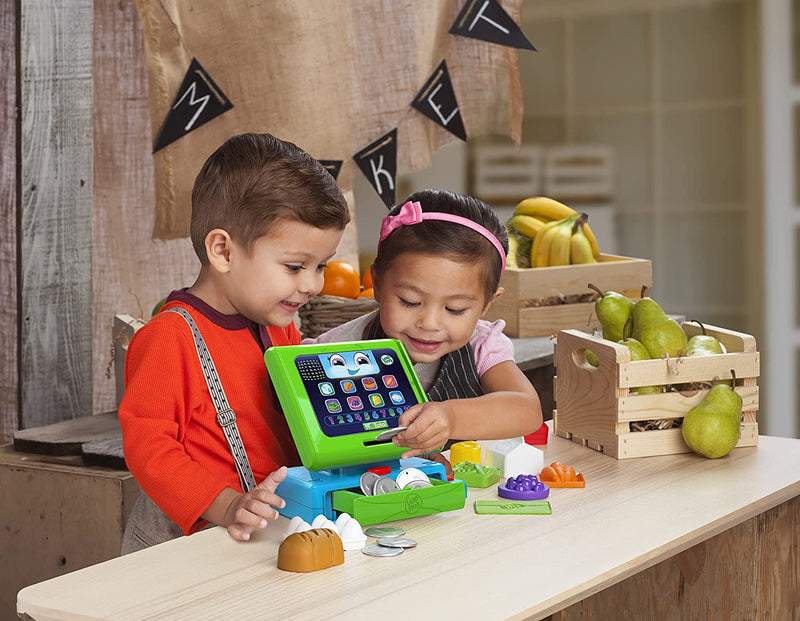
172,442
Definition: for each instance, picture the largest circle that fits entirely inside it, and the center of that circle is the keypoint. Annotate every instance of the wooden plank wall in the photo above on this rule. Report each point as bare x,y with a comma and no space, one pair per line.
56,211
8,219
130,270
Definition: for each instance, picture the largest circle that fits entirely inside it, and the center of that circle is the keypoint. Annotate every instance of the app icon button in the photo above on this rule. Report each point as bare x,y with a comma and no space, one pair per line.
390,381
354,403
333,405
369,383
348,385
326,388
376,400
397,397
387,359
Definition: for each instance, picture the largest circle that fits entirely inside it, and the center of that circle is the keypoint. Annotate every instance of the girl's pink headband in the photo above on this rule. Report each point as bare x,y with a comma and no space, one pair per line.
411,213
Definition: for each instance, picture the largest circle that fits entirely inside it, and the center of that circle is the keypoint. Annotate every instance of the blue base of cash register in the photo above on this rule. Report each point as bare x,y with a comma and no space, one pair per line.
309,493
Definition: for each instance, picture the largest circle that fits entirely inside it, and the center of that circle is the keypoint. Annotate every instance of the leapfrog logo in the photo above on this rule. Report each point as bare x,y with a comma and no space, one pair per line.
413,503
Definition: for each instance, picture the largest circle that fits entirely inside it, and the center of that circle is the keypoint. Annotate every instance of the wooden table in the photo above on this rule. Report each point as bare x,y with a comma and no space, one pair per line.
631,515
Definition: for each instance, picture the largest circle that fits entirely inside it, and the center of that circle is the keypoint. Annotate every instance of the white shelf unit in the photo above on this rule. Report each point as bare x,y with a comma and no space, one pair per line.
669,86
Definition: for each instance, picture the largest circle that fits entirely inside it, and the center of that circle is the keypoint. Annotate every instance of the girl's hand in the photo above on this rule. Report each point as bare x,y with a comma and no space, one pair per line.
429,427
253,509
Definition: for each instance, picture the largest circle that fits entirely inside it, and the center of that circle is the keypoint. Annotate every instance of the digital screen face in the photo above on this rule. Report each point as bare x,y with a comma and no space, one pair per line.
356,391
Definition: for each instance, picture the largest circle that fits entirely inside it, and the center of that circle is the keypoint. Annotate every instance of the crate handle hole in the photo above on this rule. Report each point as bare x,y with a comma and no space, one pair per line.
580,360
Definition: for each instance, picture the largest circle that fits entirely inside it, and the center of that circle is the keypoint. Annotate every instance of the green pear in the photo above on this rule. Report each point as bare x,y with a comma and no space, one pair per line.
157,307
638,352
613,310
702,344
658,333
592,358
711,428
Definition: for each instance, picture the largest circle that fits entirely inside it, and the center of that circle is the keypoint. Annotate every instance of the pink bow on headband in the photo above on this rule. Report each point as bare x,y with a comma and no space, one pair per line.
411,213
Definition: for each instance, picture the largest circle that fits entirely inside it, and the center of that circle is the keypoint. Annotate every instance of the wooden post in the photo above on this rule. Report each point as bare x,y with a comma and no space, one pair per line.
8,219
55,242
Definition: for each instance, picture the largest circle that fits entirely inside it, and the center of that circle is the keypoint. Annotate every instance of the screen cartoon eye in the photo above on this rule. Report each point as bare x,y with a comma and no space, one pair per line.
349,364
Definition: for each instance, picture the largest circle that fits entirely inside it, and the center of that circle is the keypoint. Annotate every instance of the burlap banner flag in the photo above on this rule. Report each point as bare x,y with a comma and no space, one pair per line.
336,78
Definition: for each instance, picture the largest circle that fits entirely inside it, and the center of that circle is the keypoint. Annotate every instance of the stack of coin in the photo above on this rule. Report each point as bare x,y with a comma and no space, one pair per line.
411,478
389,541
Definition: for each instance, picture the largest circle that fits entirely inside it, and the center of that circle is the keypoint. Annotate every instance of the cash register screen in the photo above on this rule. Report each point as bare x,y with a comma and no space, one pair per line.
356,391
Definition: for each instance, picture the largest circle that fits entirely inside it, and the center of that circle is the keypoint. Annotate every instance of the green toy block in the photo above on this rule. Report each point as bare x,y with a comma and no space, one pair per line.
476,475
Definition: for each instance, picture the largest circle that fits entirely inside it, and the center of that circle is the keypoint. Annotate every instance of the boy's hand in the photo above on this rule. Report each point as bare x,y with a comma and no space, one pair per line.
252,510
429,427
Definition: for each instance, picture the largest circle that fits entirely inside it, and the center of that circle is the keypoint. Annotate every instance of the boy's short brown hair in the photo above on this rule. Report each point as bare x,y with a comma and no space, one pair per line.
253,180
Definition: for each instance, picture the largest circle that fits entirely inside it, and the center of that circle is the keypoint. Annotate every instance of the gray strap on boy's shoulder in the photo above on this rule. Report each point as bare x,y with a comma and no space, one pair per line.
226,417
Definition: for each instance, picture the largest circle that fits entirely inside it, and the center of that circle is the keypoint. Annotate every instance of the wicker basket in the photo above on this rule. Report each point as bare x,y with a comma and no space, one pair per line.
325,312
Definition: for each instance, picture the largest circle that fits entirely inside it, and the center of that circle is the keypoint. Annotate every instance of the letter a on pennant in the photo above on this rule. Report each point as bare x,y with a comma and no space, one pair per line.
199,100
437,101
488,21
378,162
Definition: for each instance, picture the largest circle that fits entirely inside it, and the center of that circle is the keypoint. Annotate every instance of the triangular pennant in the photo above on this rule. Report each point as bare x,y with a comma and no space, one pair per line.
437,101
488,21
332,166
199,100
378,162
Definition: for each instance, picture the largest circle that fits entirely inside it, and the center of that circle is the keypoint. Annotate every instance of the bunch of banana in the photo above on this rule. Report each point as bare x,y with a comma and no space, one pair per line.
533,219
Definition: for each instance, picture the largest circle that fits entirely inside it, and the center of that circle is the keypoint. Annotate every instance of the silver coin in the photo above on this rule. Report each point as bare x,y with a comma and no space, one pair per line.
367,483
376,550
417,484
385,485
389,433
406,475
384,531
397,542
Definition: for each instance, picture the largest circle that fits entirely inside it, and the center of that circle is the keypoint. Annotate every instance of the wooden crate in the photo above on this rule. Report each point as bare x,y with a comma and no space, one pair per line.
59,515
539,301
506,173
579,173
594,406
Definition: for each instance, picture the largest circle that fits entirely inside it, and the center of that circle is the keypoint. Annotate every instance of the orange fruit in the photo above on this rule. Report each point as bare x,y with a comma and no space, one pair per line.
367,293
341,279
366,281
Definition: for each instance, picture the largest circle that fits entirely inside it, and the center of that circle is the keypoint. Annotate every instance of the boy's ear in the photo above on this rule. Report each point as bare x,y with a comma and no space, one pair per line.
218,249
500,291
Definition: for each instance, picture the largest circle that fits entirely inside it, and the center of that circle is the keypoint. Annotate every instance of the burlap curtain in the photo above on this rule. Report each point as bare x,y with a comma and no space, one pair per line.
329,75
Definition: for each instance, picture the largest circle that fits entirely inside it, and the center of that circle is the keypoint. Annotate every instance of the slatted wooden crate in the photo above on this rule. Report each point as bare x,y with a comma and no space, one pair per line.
595,406
543,300
579,173
505,173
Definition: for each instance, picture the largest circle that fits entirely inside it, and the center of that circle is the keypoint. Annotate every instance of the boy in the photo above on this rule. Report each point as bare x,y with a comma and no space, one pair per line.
265,219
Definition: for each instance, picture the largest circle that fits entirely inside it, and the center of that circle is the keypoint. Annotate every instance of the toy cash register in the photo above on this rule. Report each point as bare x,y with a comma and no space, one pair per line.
342,401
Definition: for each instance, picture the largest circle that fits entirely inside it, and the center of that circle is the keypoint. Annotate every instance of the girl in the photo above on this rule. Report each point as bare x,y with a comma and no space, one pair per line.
437,271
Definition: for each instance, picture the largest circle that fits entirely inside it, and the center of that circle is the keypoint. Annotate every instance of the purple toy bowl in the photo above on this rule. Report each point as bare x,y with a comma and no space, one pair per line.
523,487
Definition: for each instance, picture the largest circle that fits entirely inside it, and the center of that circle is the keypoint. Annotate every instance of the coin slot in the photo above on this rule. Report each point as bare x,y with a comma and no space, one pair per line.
377,442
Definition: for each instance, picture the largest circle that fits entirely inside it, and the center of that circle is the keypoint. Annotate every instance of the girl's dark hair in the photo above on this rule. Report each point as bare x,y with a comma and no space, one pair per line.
253,180
436,237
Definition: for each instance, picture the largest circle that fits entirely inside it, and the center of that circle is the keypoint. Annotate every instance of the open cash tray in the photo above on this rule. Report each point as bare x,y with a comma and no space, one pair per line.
337,399
309,493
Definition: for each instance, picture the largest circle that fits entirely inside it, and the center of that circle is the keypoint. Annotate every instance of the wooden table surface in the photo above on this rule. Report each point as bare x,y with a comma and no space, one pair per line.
631,515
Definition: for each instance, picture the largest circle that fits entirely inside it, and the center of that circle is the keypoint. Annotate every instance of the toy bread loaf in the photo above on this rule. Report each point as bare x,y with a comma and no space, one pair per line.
310,550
